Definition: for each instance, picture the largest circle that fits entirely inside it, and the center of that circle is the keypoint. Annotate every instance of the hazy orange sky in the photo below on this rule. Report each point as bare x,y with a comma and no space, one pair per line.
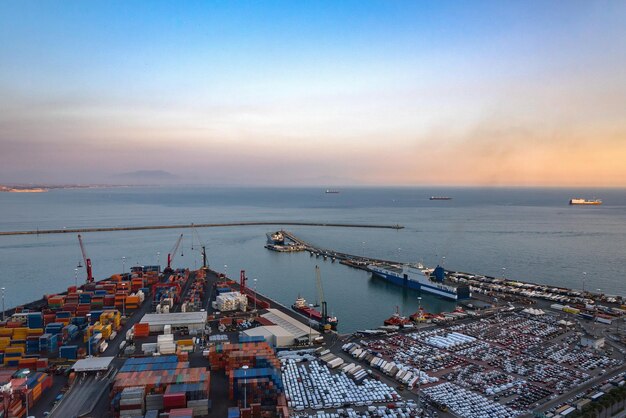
315,93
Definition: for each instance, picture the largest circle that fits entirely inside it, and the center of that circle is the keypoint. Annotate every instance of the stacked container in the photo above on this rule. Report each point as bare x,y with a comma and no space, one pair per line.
132,401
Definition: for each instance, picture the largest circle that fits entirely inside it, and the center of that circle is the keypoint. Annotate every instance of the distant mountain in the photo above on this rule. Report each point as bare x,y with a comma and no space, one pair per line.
147,176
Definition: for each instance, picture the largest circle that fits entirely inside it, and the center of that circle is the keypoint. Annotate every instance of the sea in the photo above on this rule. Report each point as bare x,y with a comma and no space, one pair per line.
522,234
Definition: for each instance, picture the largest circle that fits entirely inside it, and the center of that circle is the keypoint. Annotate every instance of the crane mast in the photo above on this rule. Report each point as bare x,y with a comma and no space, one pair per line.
172,253
320,292
86,260
202,247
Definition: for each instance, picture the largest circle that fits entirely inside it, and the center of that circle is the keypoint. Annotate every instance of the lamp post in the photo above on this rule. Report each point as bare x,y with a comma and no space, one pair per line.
596,318
3,292
26,373
245,385
226,271
363,249
89,339
158,257
443,261
254,295
419,383
76,278
310,319
399,249
584,279
504,272
123,265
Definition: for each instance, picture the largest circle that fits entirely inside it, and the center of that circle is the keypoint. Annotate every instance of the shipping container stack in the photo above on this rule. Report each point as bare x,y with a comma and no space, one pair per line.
166,385
33,385
229,356
132,401
171,288
261,381
195,296
261,385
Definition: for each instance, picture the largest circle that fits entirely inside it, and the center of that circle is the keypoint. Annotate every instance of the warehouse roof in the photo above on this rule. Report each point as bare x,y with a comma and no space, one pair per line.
291,325
92,364
268,331
175,319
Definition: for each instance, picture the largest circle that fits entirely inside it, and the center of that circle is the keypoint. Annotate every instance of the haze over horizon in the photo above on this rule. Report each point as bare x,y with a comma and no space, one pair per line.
303,93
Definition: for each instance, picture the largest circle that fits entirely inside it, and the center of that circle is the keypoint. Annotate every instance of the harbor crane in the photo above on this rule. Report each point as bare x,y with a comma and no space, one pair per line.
86,260
320,291
172,254
202,247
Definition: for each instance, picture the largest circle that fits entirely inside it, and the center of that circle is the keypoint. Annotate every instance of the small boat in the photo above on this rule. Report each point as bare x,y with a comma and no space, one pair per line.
397,320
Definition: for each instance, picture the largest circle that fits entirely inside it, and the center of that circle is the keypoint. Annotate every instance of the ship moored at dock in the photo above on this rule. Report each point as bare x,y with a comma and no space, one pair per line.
416,276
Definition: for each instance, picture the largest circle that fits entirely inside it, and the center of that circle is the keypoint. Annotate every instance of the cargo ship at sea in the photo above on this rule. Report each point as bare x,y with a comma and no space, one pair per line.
302,307
440,198
585,202
416,276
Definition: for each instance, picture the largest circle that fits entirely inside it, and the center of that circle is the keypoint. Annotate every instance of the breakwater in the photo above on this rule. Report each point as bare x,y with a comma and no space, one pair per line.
193,225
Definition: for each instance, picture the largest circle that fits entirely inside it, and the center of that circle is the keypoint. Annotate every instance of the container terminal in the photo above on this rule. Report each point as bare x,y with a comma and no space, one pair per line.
171,342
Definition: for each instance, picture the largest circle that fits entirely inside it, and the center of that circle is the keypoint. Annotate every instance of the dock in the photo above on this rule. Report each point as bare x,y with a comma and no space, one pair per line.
194,225
486,287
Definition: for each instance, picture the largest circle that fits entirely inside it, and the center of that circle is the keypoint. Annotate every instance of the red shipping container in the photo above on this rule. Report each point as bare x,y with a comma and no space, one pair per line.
174,400
181,412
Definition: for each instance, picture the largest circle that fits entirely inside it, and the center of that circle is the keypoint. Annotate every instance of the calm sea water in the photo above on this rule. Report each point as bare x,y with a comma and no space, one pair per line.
526,234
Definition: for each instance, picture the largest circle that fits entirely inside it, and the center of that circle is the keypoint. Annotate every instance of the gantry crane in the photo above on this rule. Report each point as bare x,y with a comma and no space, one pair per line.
172,254
86,260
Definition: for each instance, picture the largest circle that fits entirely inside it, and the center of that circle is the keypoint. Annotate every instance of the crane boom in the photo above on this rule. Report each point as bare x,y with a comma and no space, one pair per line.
86,260
172,253
202,246
318,282
320,292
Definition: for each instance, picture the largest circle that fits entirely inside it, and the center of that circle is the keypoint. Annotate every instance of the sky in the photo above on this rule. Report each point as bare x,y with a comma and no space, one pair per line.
272,93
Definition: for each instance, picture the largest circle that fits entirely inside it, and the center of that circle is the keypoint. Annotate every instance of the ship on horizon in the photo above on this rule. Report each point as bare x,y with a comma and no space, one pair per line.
331,191
579,201
440,198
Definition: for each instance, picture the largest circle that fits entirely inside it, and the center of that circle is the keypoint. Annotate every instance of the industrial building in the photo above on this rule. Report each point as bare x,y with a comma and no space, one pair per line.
274,335
284,330
183,321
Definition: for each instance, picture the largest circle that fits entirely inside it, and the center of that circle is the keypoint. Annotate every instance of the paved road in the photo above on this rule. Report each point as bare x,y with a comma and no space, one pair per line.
81,398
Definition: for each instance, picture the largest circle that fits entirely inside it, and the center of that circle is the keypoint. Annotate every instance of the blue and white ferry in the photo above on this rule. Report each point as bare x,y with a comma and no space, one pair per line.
416,276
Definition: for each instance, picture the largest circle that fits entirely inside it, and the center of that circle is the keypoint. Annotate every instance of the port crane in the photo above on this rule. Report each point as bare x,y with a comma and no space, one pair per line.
320,292
172,254
202,247
86,260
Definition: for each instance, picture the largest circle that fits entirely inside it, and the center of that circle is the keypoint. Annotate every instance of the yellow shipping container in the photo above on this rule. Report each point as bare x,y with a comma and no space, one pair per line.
6,332
20,333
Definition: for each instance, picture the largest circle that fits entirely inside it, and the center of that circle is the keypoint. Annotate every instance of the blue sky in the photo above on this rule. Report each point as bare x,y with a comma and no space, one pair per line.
328,88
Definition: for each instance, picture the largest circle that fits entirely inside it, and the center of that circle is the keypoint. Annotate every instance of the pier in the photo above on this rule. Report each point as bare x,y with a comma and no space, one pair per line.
193,225
483,286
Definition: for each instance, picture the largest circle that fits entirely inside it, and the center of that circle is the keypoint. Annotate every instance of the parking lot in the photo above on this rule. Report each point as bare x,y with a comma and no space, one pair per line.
514,360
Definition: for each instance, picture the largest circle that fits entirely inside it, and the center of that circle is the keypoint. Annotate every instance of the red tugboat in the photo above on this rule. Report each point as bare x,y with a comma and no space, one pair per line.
421,316
397,320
